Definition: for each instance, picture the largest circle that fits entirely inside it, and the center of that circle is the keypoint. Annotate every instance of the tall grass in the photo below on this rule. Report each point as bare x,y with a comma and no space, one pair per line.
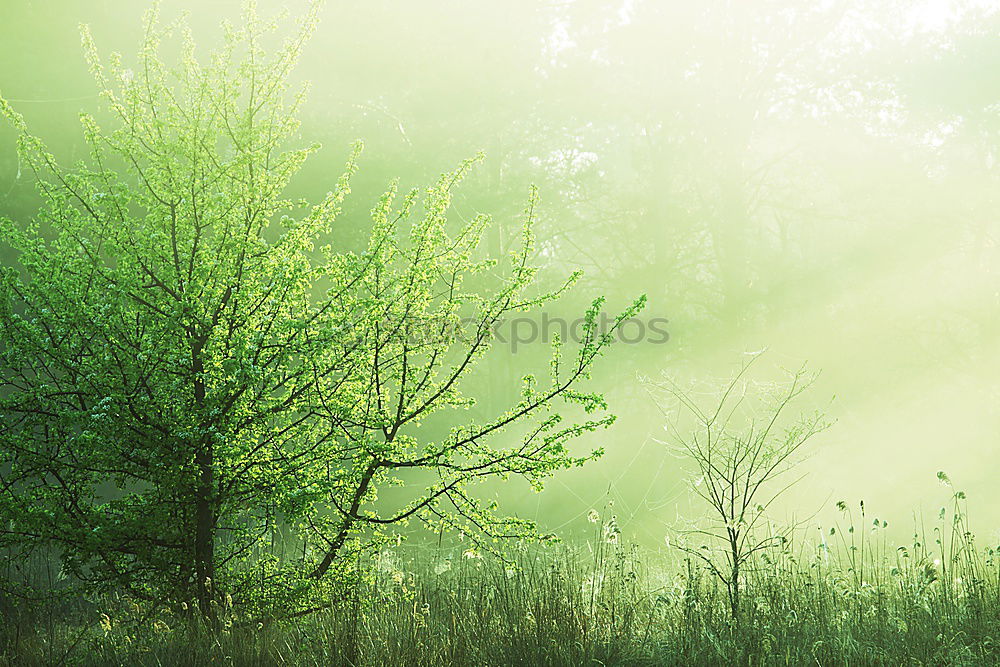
844,595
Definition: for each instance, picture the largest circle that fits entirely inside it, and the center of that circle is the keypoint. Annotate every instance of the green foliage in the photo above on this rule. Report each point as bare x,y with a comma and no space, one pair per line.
192,371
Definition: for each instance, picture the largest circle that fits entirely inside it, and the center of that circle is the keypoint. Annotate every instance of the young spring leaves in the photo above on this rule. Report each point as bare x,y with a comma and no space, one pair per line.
193,387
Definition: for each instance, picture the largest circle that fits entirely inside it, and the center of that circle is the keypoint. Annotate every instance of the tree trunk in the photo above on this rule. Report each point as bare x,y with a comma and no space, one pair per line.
734,583
204,500
204,540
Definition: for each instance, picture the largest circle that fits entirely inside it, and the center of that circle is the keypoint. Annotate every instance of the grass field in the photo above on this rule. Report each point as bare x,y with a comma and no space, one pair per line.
848,597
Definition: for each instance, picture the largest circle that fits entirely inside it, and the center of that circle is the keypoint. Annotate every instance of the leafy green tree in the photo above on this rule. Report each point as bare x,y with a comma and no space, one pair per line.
192,370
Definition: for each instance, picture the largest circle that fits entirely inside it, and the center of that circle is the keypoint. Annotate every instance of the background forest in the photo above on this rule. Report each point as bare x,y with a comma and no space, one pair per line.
813,179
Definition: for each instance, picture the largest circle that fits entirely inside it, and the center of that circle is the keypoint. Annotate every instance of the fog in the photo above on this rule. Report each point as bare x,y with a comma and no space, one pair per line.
817,179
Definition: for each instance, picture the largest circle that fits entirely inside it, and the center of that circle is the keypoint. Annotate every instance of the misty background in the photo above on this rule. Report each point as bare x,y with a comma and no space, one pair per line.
819,179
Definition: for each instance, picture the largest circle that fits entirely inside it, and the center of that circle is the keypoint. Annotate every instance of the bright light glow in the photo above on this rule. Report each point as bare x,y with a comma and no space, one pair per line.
933,15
